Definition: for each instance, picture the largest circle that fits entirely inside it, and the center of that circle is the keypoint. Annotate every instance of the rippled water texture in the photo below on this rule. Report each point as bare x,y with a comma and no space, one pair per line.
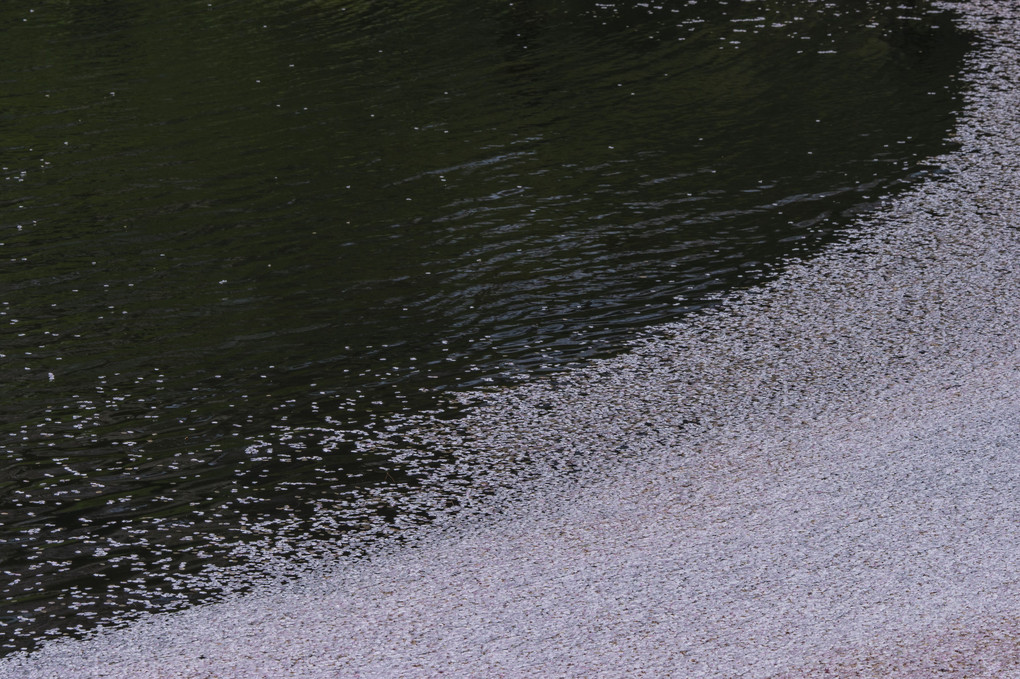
225,225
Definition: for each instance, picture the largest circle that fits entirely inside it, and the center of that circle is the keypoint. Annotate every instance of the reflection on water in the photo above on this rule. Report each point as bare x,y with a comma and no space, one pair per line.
231,230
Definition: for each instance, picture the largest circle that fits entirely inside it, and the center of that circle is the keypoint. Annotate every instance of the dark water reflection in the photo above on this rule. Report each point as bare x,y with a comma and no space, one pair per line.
226,222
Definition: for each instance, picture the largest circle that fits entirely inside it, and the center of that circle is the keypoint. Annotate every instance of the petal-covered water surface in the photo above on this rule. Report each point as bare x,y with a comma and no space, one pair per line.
238,237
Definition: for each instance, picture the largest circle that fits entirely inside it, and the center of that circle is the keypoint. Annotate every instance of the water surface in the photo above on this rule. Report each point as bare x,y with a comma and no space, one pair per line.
229,227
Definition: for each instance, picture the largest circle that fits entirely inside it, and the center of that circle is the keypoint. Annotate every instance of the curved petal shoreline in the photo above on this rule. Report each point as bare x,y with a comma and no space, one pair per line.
823,476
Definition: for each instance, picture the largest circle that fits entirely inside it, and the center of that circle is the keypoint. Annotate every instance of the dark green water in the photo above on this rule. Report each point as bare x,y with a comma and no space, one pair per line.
227,224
